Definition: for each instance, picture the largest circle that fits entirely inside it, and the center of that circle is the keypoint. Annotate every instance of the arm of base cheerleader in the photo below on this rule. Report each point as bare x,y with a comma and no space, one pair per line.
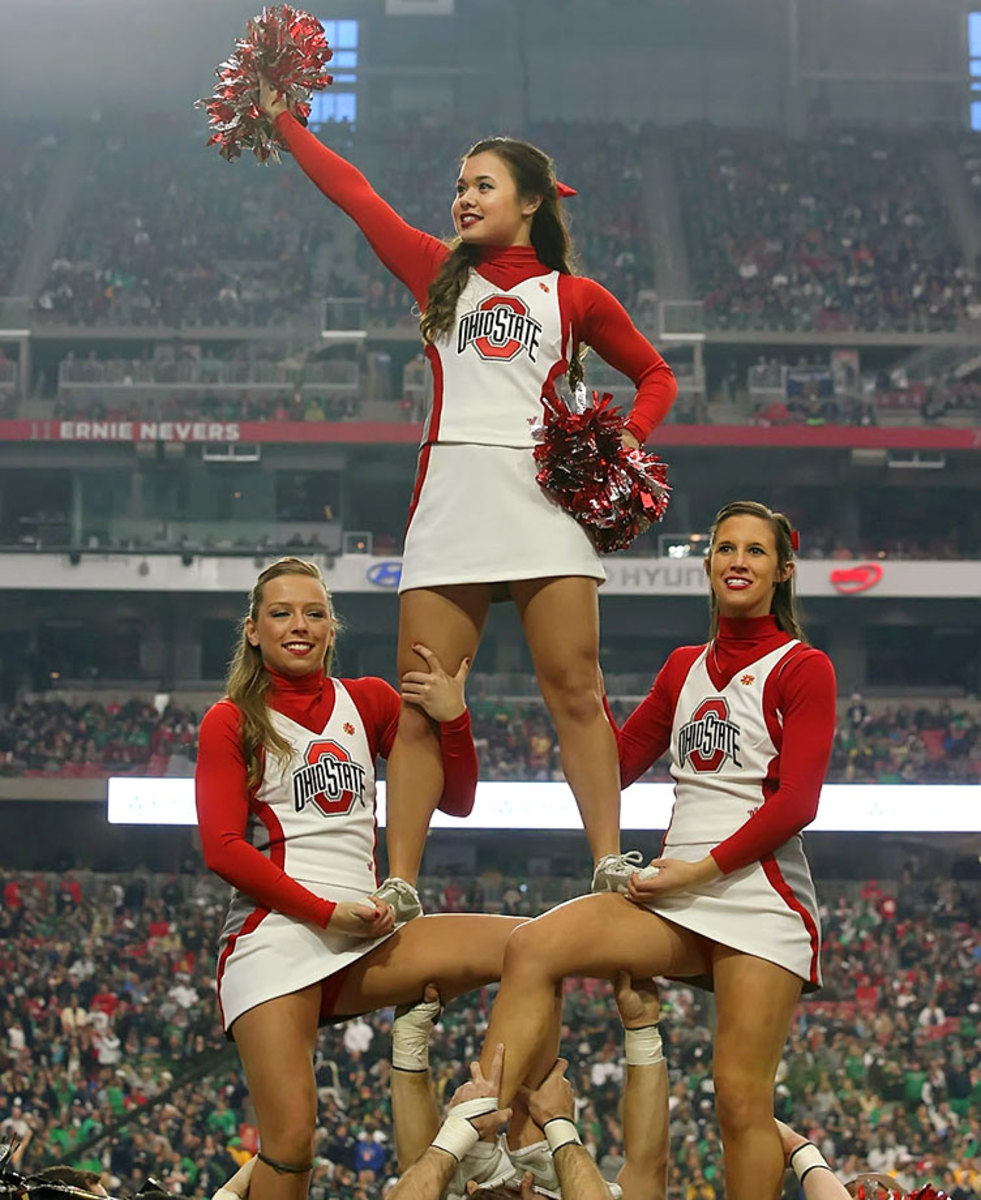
415,1117
646,733
644,1175
813,1173
807,701
221,794
412,256
601,321
460,766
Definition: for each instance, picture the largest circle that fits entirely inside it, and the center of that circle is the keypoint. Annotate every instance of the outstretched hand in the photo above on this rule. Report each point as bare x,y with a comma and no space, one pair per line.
362,918
439,695
270,101
478,1088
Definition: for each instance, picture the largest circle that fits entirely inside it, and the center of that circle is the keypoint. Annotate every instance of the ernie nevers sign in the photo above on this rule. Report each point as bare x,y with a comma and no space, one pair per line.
147,431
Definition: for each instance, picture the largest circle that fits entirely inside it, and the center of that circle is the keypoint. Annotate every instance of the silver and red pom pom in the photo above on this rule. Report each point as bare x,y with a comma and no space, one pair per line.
289,48
614,493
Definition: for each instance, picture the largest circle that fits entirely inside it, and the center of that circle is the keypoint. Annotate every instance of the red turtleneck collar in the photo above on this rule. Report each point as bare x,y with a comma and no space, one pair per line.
506,266
739,642
293,684
745,629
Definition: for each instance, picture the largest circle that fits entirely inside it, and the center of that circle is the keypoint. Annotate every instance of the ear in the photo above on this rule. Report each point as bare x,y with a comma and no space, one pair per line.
787,572
250,632
707,564
530,206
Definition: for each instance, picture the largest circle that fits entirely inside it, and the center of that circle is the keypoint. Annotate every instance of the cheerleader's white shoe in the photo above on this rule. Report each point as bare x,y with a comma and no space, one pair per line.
612,872
401,895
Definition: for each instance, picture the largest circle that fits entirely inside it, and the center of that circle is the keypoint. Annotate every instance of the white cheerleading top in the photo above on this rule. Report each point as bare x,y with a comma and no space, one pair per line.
722,754
490,370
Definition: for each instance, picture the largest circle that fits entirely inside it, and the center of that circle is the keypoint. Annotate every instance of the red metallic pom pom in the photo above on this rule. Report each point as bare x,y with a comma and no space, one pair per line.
290,49
613,492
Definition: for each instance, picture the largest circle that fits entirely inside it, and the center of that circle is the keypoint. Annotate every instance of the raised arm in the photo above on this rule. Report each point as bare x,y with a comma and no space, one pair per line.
441,697
412,256
601,321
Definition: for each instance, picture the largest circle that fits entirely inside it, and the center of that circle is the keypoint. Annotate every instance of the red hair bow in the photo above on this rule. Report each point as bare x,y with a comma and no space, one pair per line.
563,189
795,540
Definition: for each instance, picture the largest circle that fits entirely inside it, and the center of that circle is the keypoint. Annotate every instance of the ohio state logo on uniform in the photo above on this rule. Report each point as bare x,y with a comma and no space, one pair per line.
709,737
499,328
328,779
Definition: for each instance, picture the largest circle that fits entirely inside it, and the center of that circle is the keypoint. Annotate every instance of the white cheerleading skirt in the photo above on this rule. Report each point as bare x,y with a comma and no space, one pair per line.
479,516
767,909
263,955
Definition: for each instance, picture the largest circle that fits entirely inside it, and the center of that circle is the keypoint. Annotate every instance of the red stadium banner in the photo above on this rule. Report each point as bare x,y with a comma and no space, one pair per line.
410,433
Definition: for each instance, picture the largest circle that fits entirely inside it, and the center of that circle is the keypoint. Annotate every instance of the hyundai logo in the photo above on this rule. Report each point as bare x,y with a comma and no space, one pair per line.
385,574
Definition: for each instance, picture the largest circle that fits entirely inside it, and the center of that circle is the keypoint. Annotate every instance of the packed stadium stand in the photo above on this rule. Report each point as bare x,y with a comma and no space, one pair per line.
203,366
112,1057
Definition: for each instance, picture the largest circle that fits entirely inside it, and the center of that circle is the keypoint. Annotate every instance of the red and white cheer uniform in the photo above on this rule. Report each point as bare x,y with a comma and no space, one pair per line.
749,719
305,838
477,513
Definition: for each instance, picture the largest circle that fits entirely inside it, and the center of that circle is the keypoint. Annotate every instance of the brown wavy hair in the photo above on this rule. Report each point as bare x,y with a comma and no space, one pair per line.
534,175
784,605
248,680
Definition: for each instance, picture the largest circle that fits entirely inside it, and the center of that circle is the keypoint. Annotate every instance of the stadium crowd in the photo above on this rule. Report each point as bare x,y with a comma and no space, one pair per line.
847,233
112,1057
843,233
905,743
162,233
218,406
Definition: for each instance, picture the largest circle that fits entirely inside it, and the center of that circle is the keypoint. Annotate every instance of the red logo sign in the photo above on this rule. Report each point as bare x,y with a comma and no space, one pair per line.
329,779
500,327
709,737
849,580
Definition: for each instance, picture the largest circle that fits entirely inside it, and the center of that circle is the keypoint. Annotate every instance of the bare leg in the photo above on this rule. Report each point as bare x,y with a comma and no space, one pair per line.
449,621
594,936
276,1041
755,1001
456,951
561,623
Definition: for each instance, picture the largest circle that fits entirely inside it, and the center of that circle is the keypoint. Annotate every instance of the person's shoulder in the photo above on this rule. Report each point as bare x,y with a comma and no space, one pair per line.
683,656
223,714
368,684
808,662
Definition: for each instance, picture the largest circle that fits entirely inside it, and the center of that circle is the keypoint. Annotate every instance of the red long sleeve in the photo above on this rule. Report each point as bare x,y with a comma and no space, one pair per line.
222,792
802,691
222,797
601,321
646,733
805,694
412,256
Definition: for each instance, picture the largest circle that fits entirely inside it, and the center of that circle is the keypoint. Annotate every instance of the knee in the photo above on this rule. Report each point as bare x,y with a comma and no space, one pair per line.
287,1131
742,1101
573,692
525,957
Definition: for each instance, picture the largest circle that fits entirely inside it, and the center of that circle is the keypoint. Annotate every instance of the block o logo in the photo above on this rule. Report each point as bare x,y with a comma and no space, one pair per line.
500,327
709,737
330,780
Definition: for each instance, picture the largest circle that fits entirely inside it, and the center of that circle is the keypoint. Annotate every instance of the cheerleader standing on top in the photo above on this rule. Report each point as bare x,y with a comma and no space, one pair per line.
503,319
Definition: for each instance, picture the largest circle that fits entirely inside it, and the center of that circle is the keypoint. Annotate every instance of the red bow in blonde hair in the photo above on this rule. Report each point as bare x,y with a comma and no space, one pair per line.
563,190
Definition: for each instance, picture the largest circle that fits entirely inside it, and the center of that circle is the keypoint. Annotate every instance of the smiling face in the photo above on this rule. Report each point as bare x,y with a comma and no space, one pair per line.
743,566
293,626
487,210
